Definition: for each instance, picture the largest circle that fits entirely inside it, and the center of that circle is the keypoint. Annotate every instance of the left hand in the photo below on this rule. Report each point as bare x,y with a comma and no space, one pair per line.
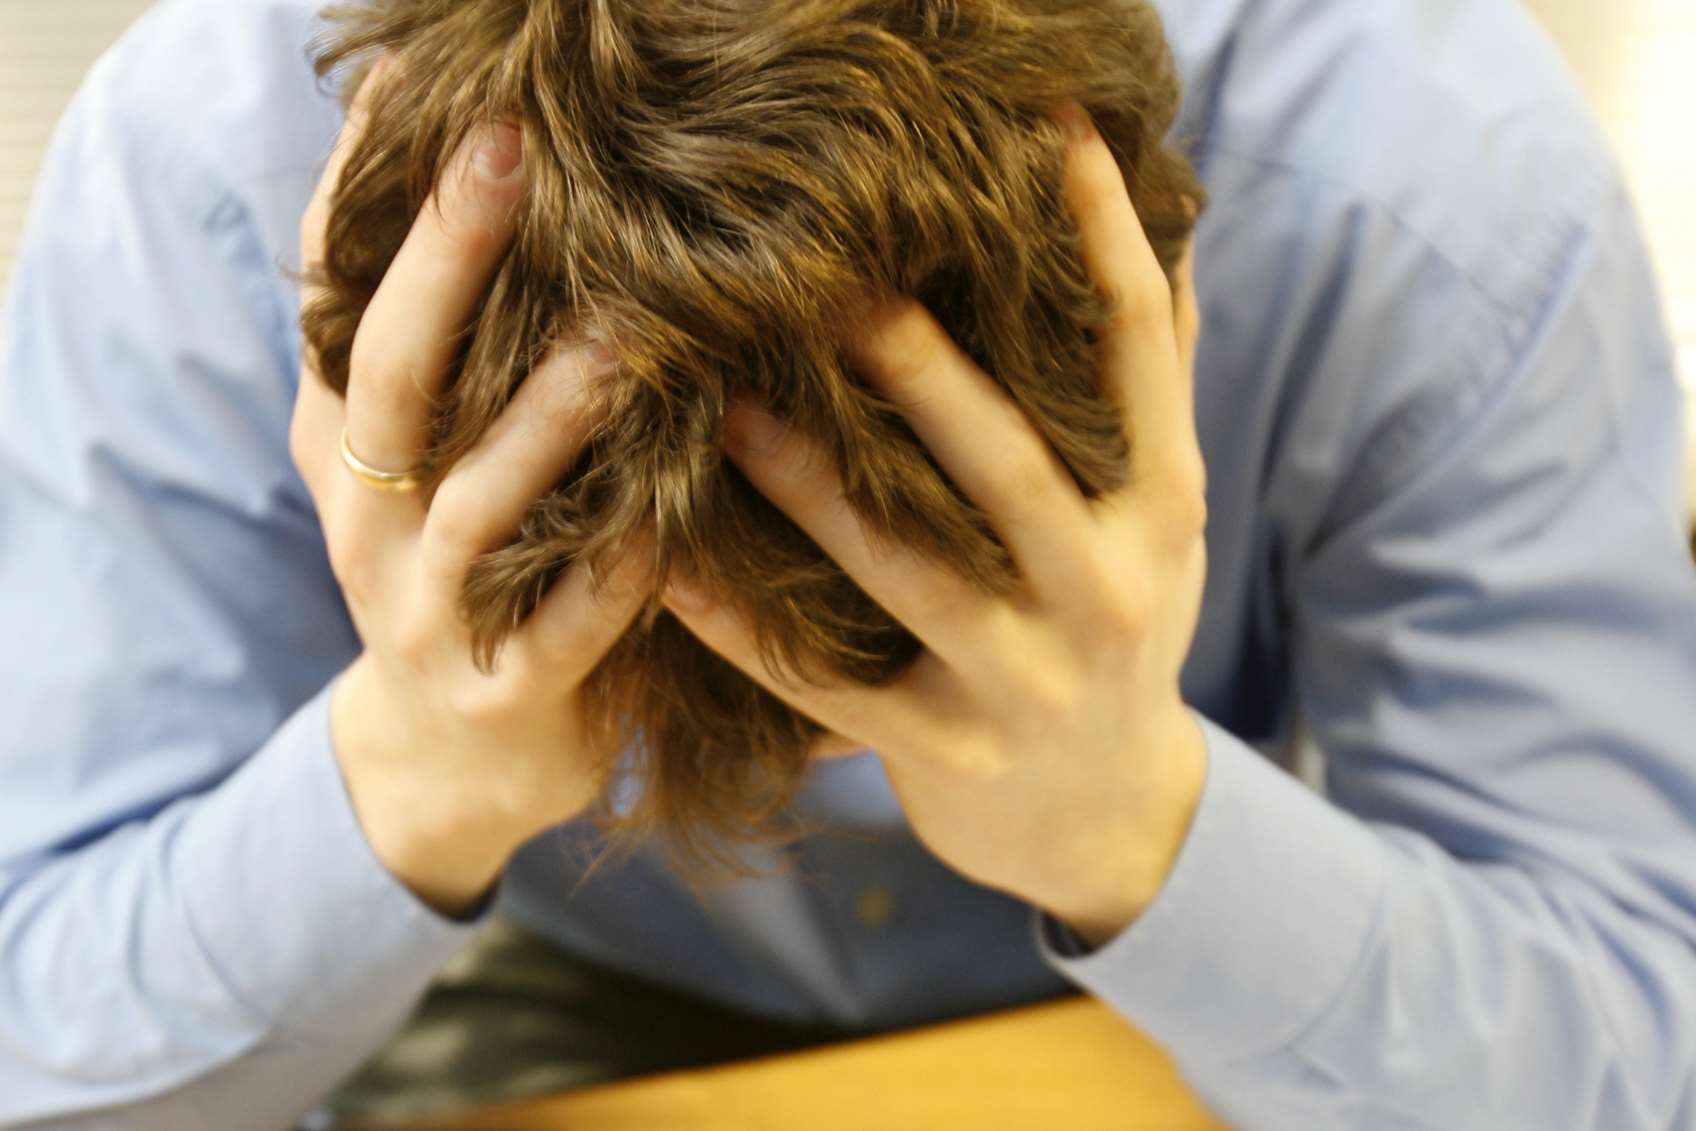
1039,745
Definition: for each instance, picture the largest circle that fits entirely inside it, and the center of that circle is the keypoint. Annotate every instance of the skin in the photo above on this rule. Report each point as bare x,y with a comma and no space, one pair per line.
1040,744
450,770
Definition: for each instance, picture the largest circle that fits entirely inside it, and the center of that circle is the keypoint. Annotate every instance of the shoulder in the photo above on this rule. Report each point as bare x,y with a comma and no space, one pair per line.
152,293
218,83
1457,118
1400,191
212,107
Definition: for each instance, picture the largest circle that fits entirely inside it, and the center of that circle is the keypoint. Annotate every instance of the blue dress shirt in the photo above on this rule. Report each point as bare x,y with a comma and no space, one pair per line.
1437,401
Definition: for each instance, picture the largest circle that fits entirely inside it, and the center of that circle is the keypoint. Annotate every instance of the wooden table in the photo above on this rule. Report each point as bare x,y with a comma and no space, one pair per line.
1069,1063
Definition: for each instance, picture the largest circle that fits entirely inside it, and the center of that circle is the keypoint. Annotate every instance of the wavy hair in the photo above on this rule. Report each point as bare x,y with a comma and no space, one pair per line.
713,186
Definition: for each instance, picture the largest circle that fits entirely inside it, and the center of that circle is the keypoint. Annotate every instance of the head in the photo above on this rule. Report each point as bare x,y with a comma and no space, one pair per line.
714,189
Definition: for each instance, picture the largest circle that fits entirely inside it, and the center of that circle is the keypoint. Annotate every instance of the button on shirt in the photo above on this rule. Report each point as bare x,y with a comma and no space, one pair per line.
1436,398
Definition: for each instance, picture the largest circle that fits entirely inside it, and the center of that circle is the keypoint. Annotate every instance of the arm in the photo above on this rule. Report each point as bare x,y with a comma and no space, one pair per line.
1492,921
193,930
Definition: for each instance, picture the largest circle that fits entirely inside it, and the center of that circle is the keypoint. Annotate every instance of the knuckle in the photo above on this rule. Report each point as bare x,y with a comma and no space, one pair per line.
1132,605
1196,468
1190,517
476,221
412,638
558,649
573,664
384,377
311,236
1142,305
944,600
456,527
1051,700
314,221
1101,580
577,622
1183,506
363,352
1119,615
977,760
351,562
303,452
557,639
907,348
481,700
474,236
1022,487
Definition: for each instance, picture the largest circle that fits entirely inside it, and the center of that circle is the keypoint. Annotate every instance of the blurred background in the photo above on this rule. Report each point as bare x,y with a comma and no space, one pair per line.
1635,58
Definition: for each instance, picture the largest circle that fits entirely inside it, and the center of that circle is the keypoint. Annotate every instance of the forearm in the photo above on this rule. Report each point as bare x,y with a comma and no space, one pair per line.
225,962
1492,995
1309,969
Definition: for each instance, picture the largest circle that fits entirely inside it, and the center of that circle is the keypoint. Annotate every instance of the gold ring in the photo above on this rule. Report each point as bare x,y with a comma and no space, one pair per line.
382,480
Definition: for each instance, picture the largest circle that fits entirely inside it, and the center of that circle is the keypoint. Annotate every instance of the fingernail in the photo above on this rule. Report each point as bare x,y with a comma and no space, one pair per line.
753,428
500,152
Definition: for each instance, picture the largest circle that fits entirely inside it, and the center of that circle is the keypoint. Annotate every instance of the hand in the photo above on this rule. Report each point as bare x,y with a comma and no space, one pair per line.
450,769
1039,744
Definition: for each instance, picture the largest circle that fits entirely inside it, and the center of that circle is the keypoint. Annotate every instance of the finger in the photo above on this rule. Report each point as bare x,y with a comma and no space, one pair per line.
408,334
894,715
983,441
318,416
353,125
536,439
1138,354
315,428
1188,319
578,621
936,604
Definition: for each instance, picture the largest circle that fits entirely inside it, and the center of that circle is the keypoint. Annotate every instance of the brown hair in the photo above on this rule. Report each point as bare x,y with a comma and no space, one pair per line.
712,187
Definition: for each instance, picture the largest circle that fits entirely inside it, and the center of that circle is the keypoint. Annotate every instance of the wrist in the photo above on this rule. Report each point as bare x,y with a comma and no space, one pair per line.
449,868
426,837
1128,864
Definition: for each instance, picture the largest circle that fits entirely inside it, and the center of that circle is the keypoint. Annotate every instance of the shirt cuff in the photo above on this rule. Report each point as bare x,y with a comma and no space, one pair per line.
290,901
1269,904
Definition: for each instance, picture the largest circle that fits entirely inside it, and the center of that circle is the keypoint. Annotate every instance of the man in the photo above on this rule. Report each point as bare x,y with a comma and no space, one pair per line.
1436,407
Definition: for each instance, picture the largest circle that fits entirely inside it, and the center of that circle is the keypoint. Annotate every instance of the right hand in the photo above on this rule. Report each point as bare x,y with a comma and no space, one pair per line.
449,769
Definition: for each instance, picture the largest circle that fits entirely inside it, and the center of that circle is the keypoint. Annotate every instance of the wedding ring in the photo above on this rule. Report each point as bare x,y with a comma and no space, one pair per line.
382,480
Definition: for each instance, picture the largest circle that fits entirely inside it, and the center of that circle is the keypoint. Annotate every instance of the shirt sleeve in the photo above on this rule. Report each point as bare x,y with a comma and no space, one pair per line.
194,932
1490,919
